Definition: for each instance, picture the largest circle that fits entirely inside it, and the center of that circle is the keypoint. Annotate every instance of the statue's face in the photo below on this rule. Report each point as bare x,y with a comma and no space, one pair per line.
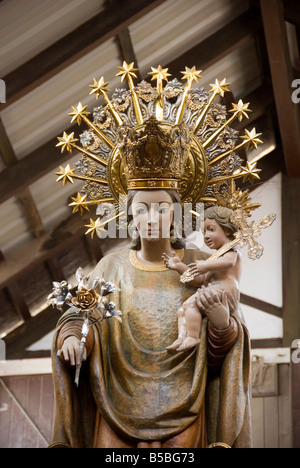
152,213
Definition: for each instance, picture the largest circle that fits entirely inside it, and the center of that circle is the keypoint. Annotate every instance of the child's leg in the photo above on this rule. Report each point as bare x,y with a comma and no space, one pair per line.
193,324
181,331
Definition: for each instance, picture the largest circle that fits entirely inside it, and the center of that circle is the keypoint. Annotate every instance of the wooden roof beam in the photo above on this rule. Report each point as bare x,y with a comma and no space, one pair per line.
75,45
282,78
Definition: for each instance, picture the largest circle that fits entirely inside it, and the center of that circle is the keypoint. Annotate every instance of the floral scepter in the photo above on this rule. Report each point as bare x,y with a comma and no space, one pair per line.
86,301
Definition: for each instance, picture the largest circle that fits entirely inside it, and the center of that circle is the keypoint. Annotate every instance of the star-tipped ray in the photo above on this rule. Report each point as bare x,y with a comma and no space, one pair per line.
67,142
159,73
98,225
241,110
93,227
252,138
190,74
220,87
250,172
79,113
99,87
66,175
80,203
127,71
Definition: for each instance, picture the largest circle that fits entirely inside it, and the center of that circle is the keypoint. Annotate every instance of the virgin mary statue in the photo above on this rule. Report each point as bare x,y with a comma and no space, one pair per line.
133,392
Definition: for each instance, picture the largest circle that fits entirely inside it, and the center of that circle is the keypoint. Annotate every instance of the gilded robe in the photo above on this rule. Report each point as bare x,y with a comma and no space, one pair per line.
132,391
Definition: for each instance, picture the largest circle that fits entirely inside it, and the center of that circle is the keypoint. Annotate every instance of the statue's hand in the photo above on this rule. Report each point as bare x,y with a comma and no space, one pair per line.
70,351
210,305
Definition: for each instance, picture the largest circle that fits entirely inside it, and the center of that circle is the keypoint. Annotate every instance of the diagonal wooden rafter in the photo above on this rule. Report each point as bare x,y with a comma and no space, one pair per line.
282,78
75,45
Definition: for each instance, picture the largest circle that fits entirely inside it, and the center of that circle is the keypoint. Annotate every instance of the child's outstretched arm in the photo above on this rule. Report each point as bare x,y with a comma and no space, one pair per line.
225,262
174,263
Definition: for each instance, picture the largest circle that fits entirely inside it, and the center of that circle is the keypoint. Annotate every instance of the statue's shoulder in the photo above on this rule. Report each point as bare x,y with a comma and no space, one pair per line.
113,259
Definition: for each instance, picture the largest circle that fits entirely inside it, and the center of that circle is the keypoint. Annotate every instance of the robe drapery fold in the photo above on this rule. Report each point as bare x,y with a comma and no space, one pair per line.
142,392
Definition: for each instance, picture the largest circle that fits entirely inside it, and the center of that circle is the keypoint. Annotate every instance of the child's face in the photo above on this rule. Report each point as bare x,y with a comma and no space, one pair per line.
214,236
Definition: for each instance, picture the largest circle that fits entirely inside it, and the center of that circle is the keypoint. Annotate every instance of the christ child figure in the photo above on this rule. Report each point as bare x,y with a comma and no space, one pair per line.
222,274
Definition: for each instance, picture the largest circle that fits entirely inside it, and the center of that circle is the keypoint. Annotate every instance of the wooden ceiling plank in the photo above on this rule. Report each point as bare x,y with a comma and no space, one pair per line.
31,168
41,249
282,78
218,45
24,196
75,45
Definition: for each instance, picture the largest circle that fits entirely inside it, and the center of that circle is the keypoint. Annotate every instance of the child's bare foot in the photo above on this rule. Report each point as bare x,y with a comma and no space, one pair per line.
188,343
173,347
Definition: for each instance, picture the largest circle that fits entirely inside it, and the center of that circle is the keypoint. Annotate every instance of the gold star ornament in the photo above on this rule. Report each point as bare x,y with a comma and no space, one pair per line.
94,226
191,74
220,87
159,73
66,174
66,142
251,138
99,87
79,204
127,71
241,110
250,172
79,113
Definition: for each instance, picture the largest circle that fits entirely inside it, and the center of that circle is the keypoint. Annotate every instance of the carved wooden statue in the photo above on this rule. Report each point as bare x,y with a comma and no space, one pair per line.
162,147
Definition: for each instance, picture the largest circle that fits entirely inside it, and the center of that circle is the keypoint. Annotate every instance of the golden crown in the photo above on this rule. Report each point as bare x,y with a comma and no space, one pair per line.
152,157
150,137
